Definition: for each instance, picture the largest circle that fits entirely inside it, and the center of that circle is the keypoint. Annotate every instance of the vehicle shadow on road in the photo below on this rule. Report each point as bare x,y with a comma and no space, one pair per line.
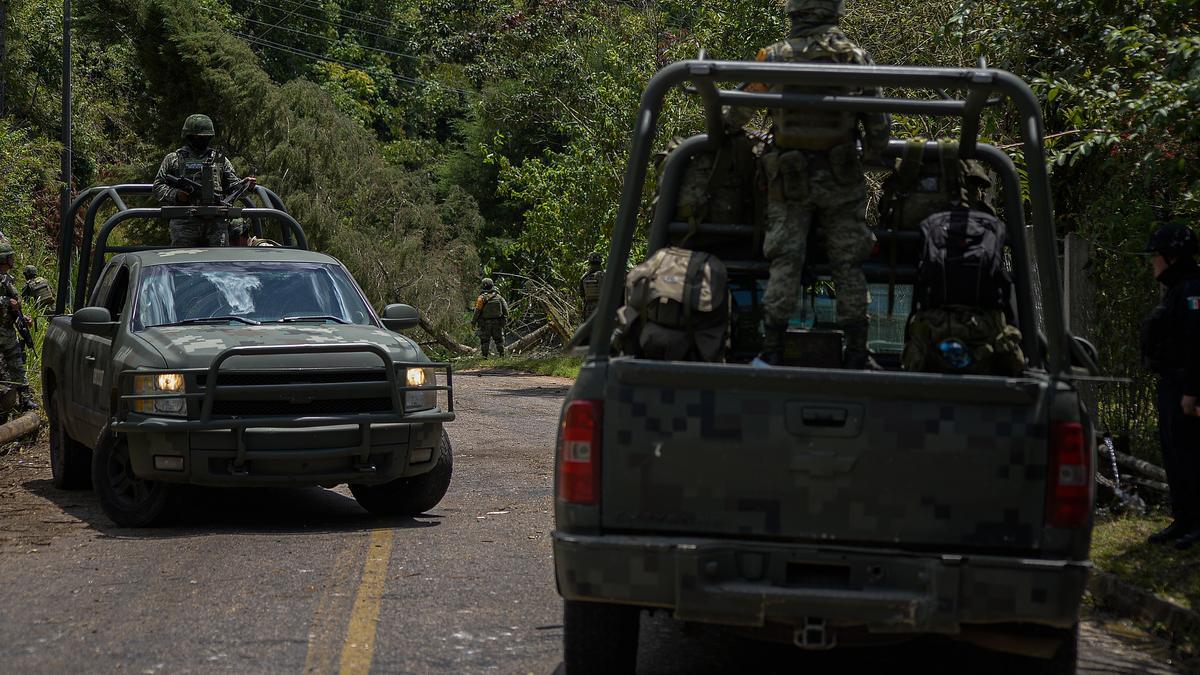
208,511
532,392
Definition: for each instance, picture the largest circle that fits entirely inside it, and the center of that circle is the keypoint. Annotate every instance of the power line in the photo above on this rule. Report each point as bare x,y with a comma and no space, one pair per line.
333,23
349,64
381,50
356,16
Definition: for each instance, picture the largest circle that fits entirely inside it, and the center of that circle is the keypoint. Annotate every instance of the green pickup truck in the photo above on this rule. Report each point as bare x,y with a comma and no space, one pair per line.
817,506
239,366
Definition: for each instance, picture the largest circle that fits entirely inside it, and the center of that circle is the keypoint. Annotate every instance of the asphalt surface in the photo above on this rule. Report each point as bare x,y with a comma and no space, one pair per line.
306,581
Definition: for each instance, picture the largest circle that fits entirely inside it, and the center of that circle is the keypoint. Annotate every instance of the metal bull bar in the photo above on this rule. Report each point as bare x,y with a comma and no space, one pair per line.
97,197
983,87
239,425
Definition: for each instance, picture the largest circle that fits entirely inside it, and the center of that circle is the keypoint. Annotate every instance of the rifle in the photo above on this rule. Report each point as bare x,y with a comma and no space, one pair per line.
22,322
191,187
184,184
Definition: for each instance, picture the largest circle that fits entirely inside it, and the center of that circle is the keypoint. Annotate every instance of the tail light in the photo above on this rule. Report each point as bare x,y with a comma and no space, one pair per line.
579,452
1068,492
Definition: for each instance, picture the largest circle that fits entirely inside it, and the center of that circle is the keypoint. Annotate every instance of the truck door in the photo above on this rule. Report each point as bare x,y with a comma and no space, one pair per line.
97,379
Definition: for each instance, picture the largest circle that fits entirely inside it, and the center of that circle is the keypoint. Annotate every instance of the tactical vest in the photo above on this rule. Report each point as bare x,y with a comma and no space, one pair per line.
807,128
591,287
491,306
191,166
39,289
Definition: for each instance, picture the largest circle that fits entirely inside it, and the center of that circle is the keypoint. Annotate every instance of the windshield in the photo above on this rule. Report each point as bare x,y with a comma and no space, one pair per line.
247,293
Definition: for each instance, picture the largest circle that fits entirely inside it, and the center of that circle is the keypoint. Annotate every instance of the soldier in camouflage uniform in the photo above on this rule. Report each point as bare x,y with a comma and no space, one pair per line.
188,162
589,285
37,289
13,367
491,311
815,173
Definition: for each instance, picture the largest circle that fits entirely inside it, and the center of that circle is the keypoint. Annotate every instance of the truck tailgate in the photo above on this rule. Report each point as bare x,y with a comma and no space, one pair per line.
864,458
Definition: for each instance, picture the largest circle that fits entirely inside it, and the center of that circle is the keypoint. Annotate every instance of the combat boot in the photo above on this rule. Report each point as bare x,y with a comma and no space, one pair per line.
772,347
27,401
857,356
1175,530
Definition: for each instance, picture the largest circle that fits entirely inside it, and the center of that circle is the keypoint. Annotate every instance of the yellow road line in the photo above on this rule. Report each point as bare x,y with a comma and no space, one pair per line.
329,619
360,637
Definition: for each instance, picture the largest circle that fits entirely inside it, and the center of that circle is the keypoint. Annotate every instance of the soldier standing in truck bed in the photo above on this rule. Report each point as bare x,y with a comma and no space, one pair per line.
188,162
815,174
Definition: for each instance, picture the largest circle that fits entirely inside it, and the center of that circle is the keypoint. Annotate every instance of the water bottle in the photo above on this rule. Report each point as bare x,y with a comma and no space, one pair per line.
954,353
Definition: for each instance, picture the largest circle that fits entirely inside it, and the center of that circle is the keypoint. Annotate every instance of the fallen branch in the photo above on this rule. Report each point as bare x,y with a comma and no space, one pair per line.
22,426
445,339
1151,484
532,340
1141,466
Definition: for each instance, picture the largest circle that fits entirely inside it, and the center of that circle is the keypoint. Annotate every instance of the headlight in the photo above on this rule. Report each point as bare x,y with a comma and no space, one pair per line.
158,384
420,400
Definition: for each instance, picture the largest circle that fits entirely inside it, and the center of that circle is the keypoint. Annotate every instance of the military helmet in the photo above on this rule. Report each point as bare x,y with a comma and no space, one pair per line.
596,259
1173,239
6,249
488,284
30,271
198,125
828,7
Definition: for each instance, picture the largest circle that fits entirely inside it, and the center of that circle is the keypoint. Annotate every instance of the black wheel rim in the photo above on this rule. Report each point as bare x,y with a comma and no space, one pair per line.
128,491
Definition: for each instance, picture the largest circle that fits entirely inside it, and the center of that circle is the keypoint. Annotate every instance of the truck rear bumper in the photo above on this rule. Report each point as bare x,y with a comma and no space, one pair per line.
205,454
753,584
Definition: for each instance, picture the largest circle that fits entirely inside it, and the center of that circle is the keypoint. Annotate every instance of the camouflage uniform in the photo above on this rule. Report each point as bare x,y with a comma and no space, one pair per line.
491,311
187,162
589,285
815,173
12,367
37,289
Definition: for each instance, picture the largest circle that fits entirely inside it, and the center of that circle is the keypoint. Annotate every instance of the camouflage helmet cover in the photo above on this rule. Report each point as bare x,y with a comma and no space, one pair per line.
821,7
30,271
488,284
1173,239
198,125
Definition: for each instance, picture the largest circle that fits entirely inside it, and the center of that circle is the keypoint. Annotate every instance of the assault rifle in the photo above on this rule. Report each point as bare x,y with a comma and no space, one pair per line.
191,187
22,322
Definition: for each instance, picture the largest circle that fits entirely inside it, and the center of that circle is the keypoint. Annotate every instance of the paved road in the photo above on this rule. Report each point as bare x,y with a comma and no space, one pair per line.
304,580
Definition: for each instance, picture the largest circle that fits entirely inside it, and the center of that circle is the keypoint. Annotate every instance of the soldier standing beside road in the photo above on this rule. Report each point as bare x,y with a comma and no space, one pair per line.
13,356
589,285
491,311
37,289
1171,348
188,163
815,173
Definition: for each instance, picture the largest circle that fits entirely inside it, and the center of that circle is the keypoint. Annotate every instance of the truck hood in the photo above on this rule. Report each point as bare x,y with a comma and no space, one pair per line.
197,346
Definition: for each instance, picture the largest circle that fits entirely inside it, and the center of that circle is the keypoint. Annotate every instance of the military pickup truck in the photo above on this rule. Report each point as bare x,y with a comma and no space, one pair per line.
238,366
826,507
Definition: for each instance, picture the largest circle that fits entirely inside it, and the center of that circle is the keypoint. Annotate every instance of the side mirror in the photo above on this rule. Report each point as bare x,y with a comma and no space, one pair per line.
94,321
400,317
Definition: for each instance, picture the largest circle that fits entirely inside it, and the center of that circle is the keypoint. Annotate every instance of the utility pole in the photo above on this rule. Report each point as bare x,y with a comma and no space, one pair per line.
66,234
3,53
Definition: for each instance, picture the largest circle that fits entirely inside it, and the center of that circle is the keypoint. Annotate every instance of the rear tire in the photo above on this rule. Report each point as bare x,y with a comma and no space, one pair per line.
413,495
70,460
600,638
127,500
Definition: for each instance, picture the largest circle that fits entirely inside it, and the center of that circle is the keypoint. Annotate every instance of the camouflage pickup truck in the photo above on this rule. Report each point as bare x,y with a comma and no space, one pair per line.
828,507
239,366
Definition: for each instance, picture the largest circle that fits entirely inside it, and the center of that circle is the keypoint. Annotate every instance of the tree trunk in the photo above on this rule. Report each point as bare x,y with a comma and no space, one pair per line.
532,340
446,340
22,426
1141,466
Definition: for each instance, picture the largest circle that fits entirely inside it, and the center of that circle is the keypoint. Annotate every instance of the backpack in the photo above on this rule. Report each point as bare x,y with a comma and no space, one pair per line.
719,187
962,261
962,340
916,190
493,306
676,308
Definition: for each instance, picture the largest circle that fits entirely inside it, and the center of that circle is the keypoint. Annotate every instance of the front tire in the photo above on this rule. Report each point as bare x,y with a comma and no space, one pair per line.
413,495
129,501
70,460
600,638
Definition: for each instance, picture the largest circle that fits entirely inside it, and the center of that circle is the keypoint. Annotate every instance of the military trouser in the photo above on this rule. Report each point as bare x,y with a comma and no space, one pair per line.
14,360
829,188
199,233
1179,435
491,330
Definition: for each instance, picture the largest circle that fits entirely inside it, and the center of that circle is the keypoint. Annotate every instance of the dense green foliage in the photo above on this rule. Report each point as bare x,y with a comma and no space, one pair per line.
428,142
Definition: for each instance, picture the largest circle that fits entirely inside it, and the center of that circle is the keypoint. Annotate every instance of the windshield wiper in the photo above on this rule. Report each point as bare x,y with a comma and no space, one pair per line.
210,319
321,317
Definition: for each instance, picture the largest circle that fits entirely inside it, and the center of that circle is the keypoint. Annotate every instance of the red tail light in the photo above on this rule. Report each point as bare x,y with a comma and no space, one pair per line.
579,452
1068,492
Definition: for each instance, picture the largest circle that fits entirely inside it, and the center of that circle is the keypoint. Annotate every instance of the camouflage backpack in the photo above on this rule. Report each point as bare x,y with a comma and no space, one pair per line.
719,187
962,340
916,189
491,305
809,128
676,308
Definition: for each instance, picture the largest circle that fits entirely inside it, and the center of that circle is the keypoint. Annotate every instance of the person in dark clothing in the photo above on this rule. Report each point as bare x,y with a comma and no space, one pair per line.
1171,349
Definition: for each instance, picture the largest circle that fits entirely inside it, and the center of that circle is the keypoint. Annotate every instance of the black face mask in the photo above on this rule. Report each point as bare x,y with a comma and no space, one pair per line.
199,143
